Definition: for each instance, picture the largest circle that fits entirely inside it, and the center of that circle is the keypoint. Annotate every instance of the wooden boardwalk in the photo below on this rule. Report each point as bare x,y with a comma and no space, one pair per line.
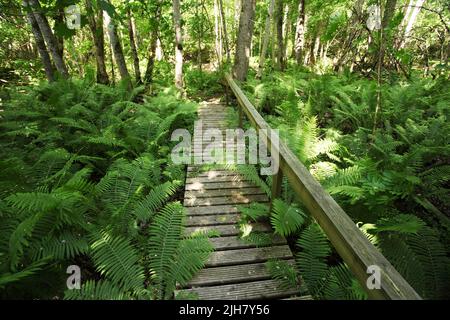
236,269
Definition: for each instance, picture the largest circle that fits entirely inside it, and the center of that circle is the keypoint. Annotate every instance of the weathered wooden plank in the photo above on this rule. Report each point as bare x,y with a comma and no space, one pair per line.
218,185
250,255
264,289
235,242
235,199
210,173
225,230
351,244
216,219
216,179
225,192
212,210
232,274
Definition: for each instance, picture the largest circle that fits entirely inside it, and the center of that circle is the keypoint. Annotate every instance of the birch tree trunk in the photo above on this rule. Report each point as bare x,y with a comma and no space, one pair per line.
412,19
178,44
244,39
134,53
96,27
265,44
116,47
49,37
40,44
300,31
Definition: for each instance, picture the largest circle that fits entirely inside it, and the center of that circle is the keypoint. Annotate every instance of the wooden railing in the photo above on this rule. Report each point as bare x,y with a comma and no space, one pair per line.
351,244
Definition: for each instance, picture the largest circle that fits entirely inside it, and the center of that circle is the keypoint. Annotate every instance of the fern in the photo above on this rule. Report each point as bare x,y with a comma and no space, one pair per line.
165,237
284,273
117,260
96,290
286,219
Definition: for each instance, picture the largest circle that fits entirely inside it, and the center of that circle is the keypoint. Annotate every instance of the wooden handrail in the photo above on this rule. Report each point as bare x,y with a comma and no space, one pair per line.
351,244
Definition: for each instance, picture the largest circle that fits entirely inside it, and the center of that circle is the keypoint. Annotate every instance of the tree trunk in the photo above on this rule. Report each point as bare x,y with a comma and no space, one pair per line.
265,44
59,20
244,39
49,37
286,31
412,19
148,78
178,44
96,27
218,32
300,31
134,53
279,25
116,47
40,43
224,29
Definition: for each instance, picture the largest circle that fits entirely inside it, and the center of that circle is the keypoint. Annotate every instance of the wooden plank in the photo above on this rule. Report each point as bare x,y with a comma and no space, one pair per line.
225,230
218,185
212,210
216,219
235,242
264,289
250,255
236,178
236,192
232,274
351,244
210,173
235,199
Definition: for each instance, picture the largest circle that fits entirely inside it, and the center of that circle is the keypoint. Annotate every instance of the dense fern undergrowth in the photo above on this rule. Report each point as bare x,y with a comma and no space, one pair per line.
393,181
86,180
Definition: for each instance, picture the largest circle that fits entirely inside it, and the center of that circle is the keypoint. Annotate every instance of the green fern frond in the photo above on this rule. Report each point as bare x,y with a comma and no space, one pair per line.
165,236
312,259
285,273
96,290
286,219
117,260
254,211
147,207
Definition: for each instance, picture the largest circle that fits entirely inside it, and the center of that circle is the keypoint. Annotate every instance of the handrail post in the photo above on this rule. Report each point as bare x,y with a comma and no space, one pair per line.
277,182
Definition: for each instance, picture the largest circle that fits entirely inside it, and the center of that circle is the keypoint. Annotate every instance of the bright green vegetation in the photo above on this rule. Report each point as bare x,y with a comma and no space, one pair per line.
86,180
393,182
86,117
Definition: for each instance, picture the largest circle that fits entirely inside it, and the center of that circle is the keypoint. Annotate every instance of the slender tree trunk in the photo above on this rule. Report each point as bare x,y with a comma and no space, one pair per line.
265,44
116,47
244,39
286,31
389,12
111,57
224,30
96,26
49,37
300,31
279,26
134,53
148,78
178,44
218,32
59,20
40,44
412,19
